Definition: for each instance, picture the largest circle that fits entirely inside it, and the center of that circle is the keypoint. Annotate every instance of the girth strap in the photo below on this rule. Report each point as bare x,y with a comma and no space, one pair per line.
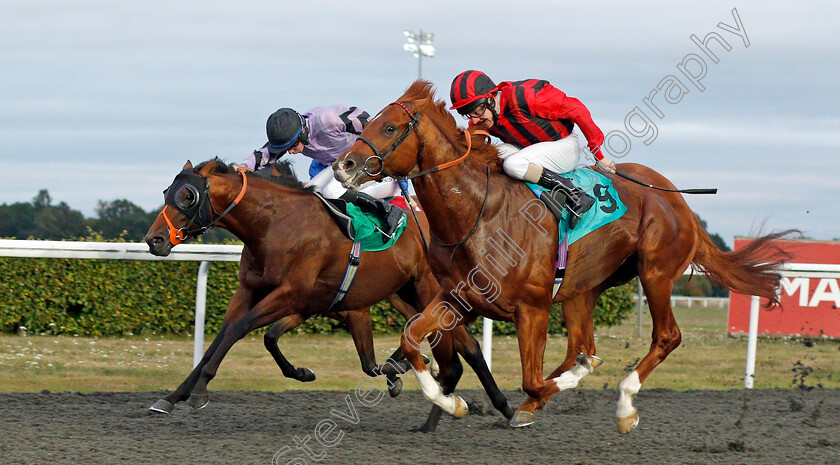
349,274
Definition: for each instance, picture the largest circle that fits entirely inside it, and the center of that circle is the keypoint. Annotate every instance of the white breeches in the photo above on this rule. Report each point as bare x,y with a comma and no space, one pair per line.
326,184
560,156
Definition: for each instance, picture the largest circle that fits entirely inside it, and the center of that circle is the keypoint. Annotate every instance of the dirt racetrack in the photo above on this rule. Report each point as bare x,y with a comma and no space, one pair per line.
703,427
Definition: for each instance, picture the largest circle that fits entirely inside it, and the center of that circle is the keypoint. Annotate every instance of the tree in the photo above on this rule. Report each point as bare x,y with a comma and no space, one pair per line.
41,220
17,220
121,218
59,222
42,200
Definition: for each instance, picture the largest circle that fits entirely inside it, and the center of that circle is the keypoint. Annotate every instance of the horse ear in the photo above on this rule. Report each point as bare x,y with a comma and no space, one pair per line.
274,171
207,169
188,166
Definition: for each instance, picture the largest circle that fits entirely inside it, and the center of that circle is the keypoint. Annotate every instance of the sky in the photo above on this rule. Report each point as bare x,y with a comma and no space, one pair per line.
103,100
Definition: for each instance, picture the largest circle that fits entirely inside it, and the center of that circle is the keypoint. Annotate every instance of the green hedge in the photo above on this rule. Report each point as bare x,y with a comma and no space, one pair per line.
116,298
612,308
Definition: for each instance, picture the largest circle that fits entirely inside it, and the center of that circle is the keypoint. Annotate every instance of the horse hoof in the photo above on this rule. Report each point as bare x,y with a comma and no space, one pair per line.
395,388
522,418
304,375
425,359
461,409
508,411
591,361
626,424
424,429
199,401
162,406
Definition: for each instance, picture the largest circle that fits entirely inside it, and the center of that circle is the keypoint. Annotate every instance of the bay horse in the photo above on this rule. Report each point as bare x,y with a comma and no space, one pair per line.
494,246
293,261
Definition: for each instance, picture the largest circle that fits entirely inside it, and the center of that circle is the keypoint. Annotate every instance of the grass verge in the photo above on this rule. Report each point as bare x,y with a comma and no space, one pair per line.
707,359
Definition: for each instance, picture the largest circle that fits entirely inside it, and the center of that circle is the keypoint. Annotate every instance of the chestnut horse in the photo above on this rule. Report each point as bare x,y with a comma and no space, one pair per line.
494,247
293,261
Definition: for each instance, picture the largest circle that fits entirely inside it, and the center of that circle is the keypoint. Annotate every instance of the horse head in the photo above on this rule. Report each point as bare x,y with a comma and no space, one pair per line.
391,143
188,210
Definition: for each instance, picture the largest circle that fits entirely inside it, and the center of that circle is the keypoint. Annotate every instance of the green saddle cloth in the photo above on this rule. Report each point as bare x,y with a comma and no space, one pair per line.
366,228
608,206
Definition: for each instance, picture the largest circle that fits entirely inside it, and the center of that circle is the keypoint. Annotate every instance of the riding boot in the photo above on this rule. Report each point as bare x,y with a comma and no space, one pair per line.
389,215
564,192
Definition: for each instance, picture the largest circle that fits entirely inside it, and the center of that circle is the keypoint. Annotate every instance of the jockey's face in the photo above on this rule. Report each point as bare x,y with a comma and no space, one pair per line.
297,148
482,119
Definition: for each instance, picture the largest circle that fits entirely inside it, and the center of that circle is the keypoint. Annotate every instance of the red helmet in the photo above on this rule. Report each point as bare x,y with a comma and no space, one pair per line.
469,87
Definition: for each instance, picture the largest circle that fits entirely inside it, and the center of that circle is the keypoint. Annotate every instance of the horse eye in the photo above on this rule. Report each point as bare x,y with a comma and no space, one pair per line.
186,198
390,129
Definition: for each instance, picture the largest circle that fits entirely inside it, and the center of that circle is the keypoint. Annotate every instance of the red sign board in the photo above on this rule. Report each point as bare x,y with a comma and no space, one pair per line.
810,305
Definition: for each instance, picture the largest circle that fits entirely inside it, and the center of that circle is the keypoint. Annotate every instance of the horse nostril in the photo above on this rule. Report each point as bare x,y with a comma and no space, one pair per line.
346,165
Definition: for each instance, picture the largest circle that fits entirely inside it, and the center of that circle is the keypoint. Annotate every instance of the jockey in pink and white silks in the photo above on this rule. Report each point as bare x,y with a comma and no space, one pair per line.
323,134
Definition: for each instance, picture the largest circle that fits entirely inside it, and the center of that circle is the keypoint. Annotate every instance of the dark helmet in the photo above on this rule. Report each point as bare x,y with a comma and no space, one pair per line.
469,90
285,128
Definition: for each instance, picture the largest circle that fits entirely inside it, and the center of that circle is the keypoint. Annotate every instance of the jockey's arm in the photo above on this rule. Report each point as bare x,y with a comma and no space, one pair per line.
552,103
257,159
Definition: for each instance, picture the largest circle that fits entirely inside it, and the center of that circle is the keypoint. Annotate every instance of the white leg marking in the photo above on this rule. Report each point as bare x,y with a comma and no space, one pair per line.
569,379
627,390
433,393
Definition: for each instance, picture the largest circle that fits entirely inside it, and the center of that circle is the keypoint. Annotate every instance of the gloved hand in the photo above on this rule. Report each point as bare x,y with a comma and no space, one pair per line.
605,164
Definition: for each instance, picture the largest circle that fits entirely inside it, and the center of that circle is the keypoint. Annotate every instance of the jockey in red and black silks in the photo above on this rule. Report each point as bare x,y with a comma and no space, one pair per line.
536,123
535,111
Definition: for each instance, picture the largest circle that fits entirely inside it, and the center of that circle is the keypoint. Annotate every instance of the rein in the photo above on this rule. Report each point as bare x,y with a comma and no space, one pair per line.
178,235
455,245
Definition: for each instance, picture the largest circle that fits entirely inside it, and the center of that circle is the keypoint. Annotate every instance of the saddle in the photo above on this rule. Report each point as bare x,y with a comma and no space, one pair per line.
338,211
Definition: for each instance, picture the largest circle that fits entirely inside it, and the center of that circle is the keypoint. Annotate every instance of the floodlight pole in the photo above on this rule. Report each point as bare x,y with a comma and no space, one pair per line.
420,63
420,44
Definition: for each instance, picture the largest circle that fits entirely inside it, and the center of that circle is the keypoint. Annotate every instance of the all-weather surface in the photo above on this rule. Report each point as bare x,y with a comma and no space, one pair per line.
333,427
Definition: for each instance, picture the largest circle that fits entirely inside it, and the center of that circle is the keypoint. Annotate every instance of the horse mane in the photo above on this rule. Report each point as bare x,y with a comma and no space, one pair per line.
279,172
422,94
219,166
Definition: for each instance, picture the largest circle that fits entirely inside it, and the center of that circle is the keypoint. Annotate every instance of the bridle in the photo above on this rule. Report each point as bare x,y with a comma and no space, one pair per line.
199,210
380,156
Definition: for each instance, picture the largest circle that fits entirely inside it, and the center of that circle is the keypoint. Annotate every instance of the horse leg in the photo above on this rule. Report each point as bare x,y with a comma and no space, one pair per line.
416,330
468,347
182,393
279,303
400,301
531,332
280,328
578,313
450,373
666,338
239,304
446,367
358,323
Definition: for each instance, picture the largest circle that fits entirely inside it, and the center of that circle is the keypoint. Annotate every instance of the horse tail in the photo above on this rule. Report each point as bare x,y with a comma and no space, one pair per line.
751,270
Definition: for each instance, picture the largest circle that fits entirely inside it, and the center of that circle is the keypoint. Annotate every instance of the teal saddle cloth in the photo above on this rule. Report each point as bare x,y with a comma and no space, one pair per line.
608,206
